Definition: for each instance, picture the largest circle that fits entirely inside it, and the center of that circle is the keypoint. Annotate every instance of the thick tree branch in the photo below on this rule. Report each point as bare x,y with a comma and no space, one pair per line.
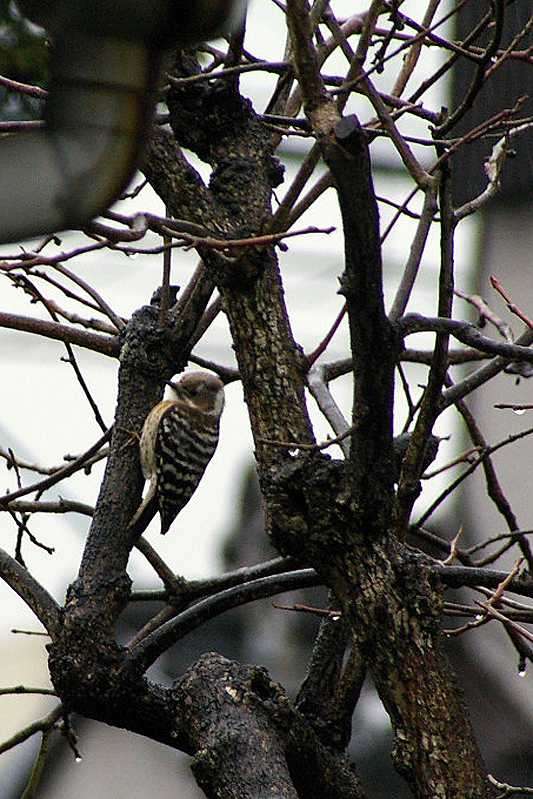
374,349
391,600
249,741
31,592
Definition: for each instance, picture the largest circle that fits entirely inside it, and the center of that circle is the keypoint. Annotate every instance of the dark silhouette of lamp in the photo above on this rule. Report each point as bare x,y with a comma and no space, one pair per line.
106,61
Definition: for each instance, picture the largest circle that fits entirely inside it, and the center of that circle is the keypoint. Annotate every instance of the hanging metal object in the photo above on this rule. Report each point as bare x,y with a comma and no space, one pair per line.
106,62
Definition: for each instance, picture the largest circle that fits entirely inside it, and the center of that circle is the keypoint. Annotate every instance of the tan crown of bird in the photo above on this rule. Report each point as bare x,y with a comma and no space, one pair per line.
178,440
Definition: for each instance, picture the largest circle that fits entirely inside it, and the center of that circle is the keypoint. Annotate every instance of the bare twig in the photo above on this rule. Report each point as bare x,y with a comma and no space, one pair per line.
321,348
295,445
497,9
37,726
26,689
513,406
497,285
62,506
468,471
500,616
487,314
165,283
412,464
59,475
316,380
413,54
298,607
36,295
509,790
415,254
468,334
23,88
493,169
483,374
173,585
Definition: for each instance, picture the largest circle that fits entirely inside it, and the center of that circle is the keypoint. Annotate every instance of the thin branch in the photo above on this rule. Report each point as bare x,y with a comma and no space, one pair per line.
70,294
150,648
468,471
297,445
412,465
76,319
480,75
496,284
508,622
42,725
301,178
495,539
32,786
154,623
517,407
34,467
321,348
493,169
467,333
486,314
59,475
29,90
501,57
469,456
26,689
413,54
415,254
342,367
173,585
277,67
424,180
226,373
165,283
483,374
493,486
509,790
305,57
61,506
194,589
105,345
317,383
36,295
102,304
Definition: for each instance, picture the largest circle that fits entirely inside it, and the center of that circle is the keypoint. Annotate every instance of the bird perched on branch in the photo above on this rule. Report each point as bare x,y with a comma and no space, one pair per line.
178,440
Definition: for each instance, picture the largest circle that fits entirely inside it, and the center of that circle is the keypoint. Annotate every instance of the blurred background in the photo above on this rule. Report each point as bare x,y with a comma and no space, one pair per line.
44,418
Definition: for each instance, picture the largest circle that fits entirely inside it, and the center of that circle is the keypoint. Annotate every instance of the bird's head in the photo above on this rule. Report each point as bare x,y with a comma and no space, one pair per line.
202,390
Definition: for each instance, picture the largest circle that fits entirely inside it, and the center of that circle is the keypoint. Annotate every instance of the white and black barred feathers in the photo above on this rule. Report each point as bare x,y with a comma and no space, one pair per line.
186,442
178,440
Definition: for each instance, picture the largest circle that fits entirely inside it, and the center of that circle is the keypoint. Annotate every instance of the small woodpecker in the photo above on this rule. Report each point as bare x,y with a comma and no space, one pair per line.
178,440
